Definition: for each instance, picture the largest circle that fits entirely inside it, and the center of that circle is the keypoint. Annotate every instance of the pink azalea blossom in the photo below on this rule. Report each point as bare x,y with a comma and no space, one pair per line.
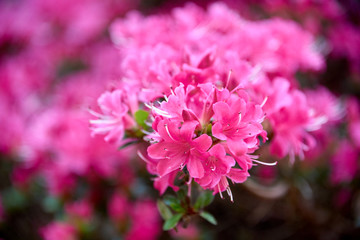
114,118
178,148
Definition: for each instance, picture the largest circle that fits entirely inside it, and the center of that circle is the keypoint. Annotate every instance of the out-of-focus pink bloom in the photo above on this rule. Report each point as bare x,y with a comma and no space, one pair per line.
59,230
145,221
324,108
344,164
353,117
291,125
80,209
118,207
345,40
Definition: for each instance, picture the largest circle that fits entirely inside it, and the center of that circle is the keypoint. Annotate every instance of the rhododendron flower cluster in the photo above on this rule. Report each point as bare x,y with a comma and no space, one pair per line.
112,117
209,87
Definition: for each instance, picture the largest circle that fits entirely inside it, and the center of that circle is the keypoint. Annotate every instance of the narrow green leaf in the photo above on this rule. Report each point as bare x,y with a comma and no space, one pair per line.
165,212
208,217
203,200
174,203
140,117
127,144
172,222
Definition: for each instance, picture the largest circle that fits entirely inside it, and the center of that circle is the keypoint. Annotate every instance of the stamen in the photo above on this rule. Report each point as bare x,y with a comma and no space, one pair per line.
228,190
146,132
264,101
265,163
166,98
158,111
239,118
222,197
95,113
172,91
168,132
228,78
142,157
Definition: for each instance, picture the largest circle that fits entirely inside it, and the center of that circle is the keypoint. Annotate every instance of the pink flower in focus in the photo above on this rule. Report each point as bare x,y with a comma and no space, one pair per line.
239,123
218,166
178,148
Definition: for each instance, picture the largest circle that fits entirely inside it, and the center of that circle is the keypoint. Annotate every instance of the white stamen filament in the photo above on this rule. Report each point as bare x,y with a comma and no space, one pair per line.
103,121
228,78
95,113
222,197
172,91
264,101
142,157
228,190
239,118
146,132
166,98
168,132
265,163
158,111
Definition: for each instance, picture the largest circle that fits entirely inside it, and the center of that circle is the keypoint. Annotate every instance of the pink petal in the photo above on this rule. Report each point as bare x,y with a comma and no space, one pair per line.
168,165
237,147
202,143
195,166
217,130
221,112
187,130
238,175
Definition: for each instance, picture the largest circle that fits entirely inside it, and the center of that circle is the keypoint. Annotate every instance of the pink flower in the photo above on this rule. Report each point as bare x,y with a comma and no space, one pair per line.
344,163
145,221
59,230
114,118
239,123
216,165
118,207
178,148
80,209
291,126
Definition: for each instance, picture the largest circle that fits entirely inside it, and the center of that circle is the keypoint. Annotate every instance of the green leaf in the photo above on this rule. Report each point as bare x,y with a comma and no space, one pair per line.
174,203
140,117
172,222
165,212
181,194
51,204
203,200
14,199
208,217
127,144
